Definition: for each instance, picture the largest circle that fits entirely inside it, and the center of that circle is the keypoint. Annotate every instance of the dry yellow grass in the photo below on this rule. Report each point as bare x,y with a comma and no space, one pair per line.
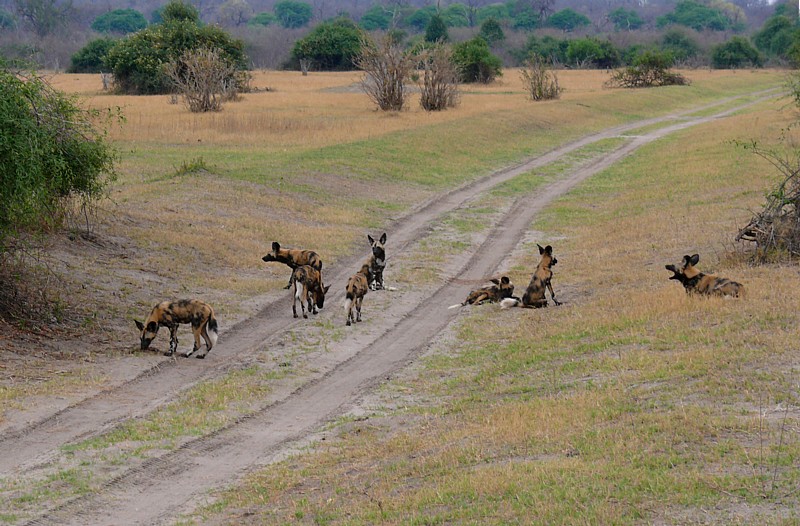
323,109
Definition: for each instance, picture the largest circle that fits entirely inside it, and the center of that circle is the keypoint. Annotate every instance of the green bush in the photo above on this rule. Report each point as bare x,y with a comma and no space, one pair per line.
696,15
475,62
138,61
121,21
91,58
50,152
330,46
568,20
436,30
491,31
738,52
376,17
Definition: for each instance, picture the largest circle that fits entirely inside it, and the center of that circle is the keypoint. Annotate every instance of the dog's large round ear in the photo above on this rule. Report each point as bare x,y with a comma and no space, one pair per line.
139,325
383,238
276,246
541,250
326,289
495,281
504,280
695,259
548,249
371,241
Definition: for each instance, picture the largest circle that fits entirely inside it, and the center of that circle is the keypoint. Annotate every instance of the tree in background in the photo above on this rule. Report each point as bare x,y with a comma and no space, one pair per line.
376,17
696,15
625,19
568,20
679,45
293,14
331,45
91,58
475,61
738,52
138,61
491,31
776,36
436,30
44,16
120,21
234,13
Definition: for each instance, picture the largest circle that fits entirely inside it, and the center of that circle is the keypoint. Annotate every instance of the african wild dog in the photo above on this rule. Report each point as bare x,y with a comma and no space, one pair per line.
293,258
695,281
172,313
377,261
308,289
534,296
502,288
357,288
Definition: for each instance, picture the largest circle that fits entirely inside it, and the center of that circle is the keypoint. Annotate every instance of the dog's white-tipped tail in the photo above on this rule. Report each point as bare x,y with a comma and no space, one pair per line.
508,303
212,331
347,304
457,305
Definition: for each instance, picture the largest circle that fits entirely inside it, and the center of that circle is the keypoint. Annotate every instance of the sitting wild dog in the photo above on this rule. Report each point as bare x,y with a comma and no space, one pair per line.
172,313
293,258
377,262
308,289
502,289
695,281
534,296
357,288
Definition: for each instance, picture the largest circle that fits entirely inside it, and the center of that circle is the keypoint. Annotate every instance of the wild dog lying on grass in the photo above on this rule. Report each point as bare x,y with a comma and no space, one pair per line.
534,296
172,313
357,288
308,289
695,281
293,258
502,288
377,262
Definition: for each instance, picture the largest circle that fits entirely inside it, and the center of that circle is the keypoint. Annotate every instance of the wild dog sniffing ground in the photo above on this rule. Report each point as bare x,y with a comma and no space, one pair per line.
631,403
257,196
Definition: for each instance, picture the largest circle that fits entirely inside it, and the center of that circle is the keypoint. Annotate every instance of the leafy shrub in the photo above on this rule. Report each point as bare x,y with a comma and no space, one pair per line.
91,58
584,52
376,17
679,45
50,152
650,69
121,21
138,61
475,61
625,19
736,53
331,46
696,15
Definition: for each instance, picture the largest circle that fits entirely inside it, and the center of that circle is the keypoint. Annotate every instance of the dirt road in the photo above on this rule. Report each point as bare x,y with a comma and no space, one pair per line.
402,323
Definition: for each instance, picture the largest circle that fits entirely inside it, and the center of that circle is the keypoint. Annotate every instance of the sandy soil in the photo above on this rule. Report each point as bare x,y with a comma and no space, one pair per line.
399,325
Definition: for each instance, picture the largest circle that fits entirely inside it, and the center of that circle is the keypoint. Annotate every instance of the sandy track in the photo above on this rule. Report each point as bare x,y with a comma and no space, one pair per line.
161,488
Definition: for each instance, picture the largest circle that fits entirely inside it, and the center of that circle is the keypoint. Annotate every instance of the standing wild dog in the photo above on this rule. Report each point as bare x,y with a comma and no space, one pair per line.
695,281
172,313
534,296
377,262
293,258
308,289
502,288
357,288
